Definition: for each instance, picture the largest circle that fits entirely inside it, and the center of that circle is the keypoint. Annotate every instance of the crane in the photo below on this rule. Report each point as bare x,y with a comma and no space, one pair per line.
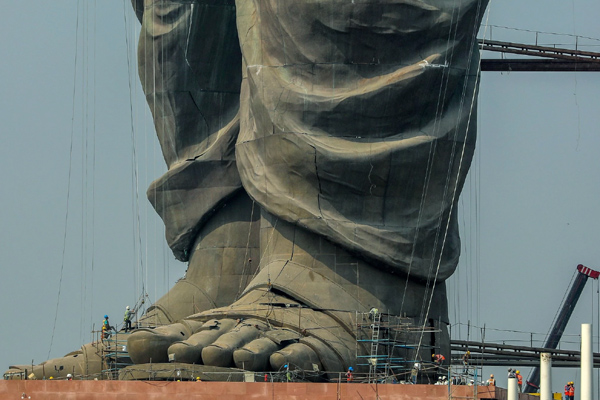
583,273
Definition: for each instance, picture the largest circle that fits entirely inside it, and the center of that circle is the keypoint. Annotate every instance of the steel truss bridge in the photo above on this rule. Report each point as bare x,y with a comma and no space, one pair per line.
547,59
495,354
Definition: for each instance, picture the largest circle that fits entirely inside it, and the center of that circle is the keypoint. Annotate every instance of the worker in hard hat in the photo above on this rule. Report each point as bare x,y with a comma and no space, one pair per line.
373,313
570,391
491,381
288,375
69,377
414,373
350,374
106,328
519,380
127,318
465,360
198,379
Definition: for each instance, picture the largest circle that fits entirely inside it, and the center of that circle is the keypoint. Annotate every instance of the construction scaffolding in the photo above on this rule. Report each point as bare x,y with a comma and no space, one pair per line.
113,351
388,345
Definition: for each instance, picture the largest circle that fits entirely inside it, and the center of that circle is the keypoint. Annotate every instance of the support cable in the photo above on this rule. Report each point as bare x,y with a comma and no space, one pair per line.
62,265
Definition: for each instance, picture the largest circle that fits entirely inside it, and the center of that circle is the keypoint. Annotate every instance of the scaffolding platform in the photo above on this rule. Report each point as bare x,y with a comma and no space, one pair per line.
388,345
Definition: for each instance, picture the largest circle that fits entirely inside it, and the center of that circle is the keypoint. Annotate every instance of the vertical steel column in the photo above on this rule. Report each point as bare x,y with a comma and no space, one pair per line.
513,389
546,376
587,363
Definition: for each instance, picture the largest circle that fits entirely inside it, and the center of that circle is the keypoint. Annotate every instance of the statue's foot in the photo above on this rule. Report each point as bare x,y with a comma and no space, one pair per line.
303,308
83,362
263,331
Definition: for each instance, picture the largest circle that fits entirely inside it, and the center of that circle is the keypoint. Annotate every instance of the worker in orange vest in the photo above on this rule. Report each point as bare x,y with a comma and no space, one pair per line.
570,391
438,359
519,380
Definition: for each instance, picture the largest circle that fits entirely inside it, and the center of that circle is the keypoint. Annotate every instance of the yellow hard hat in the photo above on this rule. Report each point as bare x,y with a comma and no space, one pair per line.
51,377
468,352
433,355
517,371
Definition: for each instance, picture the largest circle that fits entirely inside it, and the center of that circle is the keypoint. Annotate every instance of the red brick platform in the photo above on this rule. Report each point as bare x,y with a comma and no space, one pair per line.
154,390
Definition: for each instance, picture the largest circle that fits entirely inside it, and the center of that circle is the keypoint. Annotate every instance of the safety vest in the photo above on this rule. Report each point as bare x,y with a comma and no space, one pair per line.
105,325
519,379
567,390
572,391
127,315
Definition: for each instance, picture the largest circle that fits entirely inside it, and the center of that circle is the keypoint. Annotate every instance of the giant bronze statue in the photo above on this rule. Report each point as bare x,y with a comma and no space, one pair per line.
316,150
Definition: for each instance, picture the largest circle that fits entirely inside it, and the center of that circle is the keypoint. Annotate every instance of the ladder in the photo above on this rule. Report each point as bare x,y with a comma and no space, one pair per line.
374,347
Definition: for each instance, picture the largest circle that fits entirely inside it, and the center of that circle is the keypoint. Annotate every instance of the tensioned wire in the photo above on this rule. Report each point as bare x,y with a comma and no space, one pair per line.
454,192
428,172
439,107
62,265
139,270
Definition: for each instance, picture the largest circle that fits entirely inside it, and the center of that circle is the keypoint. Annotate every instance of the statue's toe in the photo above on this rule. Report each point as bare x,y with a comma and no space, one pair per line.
297,354
254,356
190,350
151,345
220,353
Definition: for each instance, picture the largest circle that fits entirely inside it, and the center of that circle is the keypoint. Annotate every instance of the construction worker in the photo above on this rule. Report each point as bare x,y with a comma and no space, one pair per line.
106,328
438,360
519,380
127,318
69,377
414,373
349,374
570,391
491,381
373,312
465,360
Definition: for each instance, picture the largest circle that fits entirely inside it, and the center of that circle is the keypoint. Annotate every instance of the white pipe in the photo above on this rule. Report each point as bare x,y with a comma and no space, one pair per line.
513,389
545,376
586,386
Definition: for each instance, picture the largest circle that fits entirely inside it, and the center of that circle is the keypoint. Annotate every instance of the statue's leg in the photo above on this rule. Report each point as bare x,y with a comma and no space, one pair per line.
305,306
222,261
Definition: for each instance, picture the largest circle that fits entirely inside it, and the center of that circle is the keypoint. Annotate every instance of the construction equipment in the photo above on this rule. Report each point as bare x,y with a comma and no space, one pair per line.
532,384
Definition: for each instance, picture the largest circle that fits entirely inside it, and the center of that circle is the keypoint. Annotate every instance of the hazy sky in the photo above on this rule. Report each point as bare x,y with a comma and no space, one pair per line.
70,97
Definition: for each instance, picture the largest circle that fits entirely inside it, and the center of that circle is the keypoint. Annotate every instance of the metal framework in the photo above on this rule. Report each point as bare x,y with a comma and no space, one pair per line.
549,59
385,344
114,355
495,354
